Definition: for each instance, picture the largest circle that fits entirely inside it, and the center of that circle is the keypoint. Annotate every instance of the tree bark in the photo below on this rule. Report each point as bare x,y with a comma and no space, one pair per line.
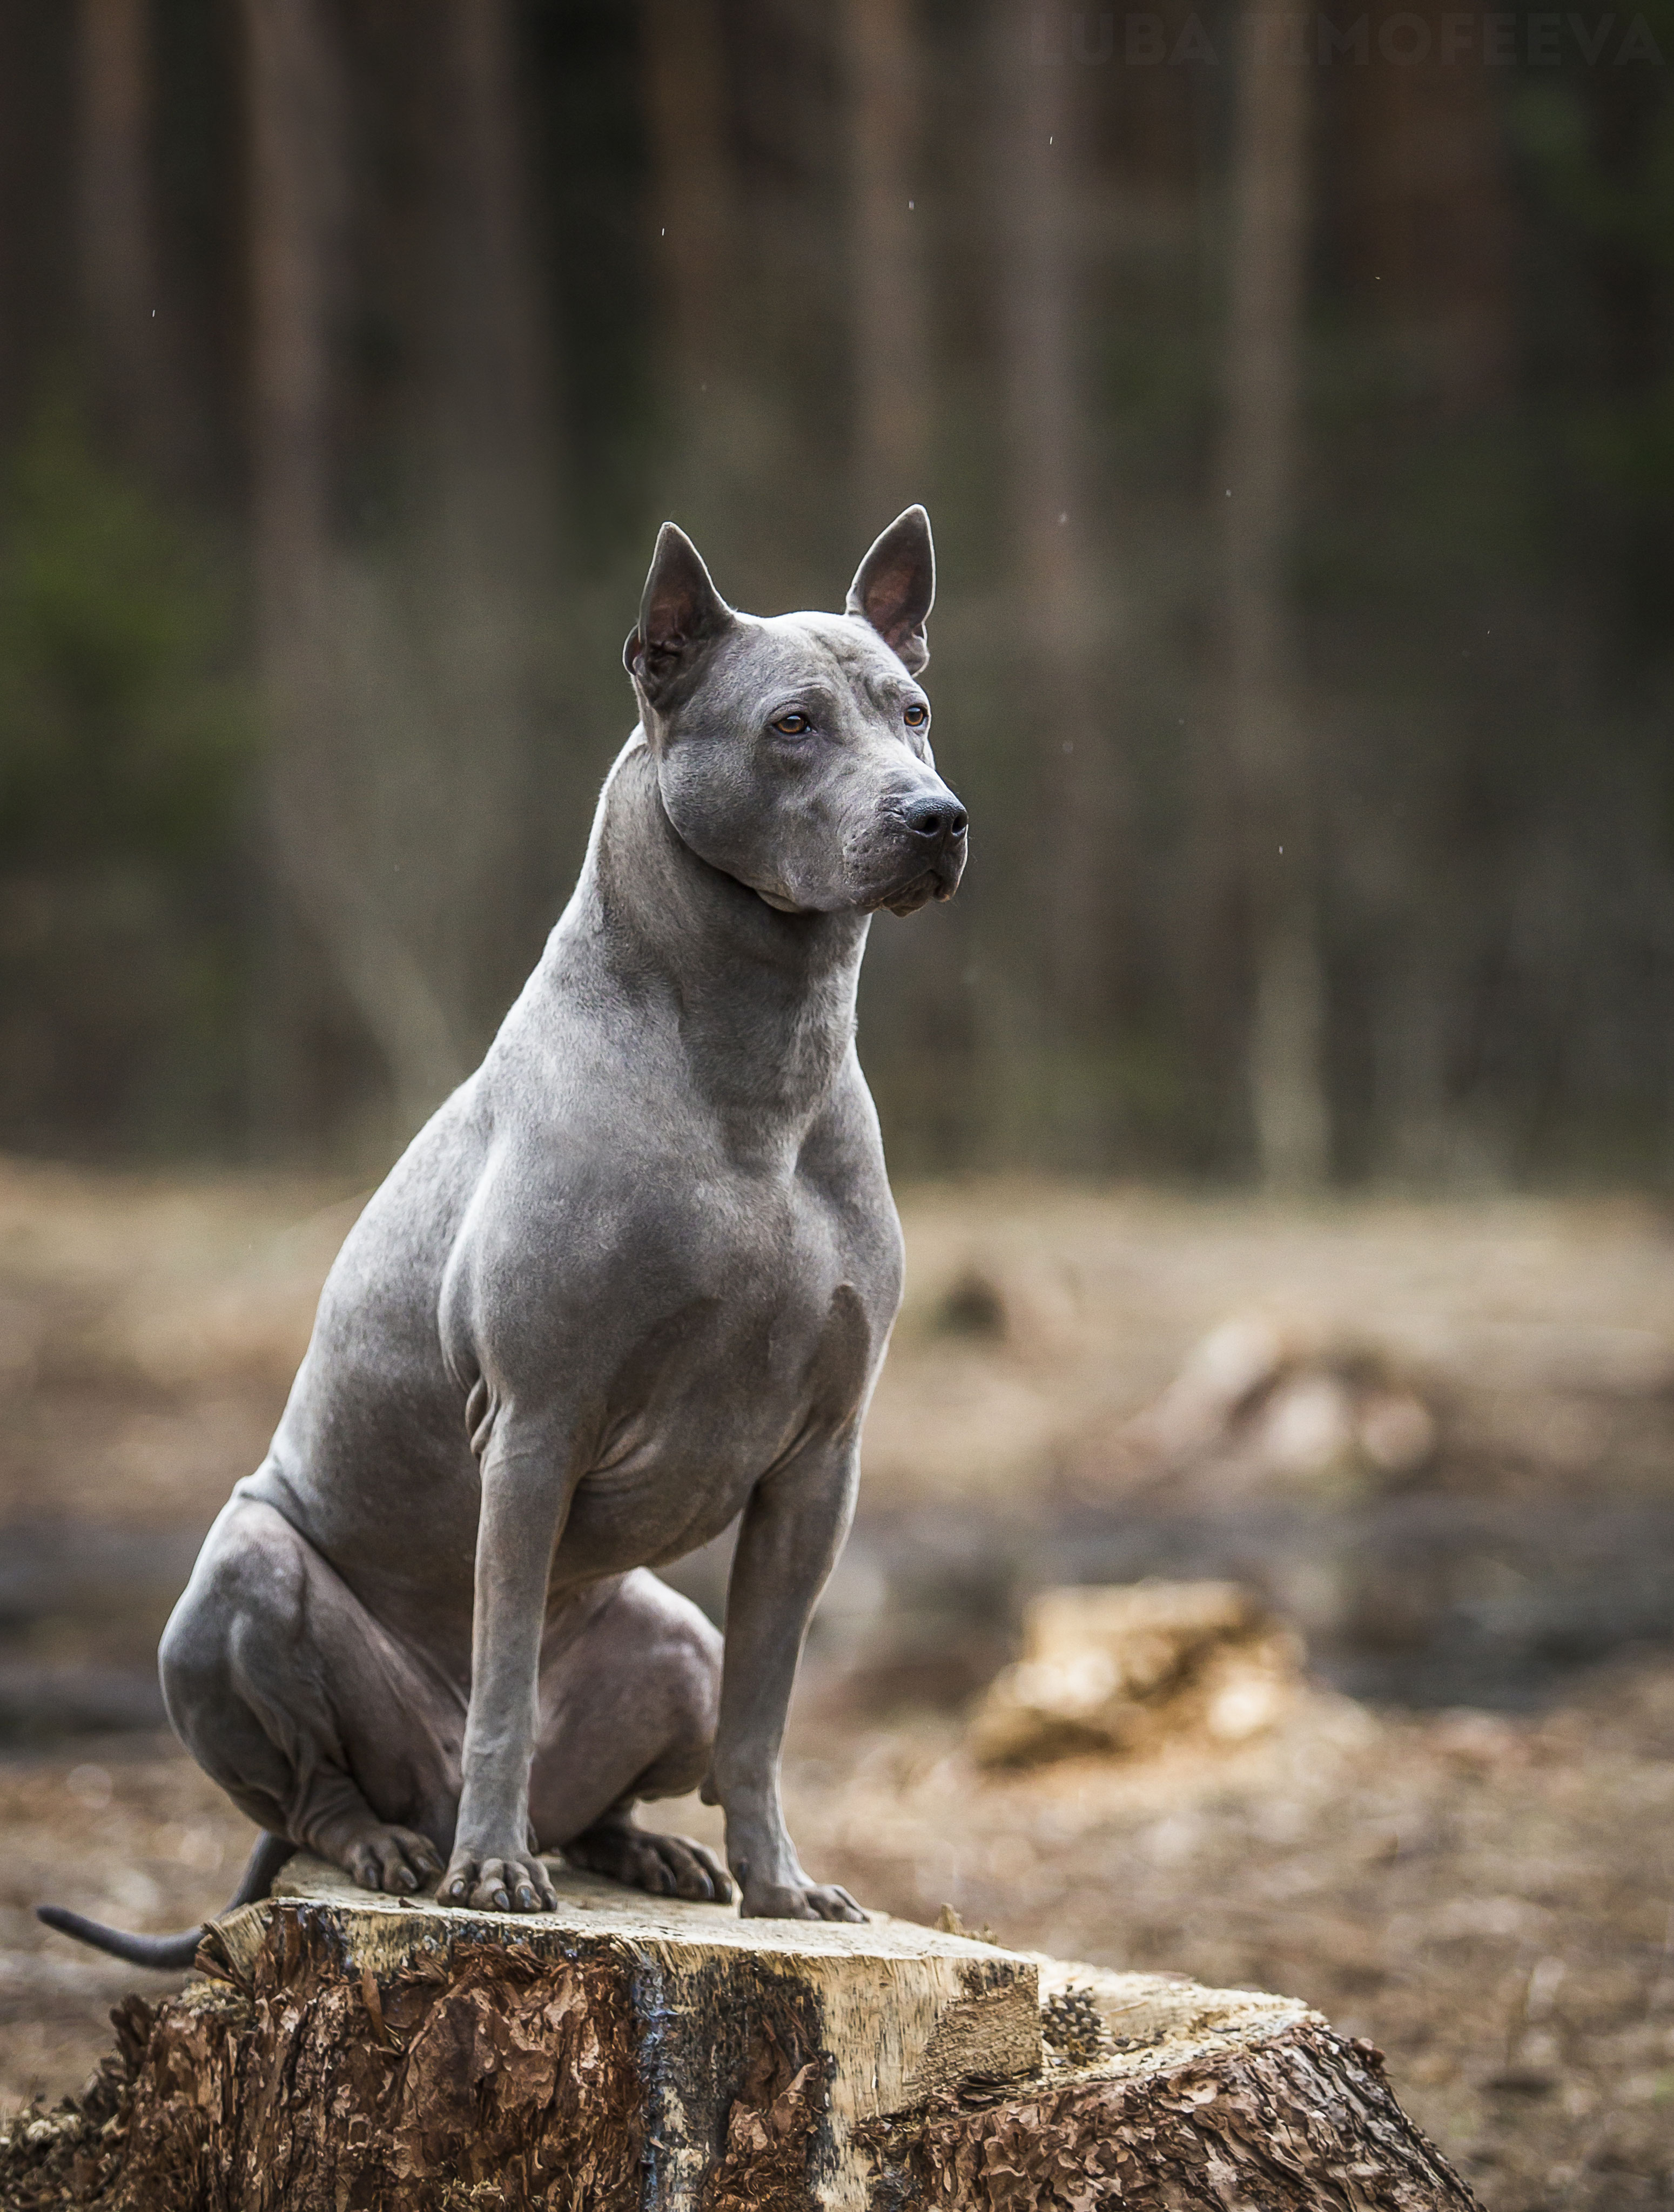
357,2051
1203,2097
1289,1106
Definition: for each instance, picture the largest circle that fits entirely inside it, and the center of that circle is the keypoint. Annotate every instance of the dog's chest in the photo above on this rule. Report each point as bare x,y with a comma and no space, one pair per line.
769,1352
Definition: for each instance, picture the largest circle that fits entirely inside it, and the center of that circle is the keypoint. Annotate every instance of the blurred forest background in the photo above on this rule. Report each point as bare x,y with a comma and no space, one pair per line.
1293,391
1294,399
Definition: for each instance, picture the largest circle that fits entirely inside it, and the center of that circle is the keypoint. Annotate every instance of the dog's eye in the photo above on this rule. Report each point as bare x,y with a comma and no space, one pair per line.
916,715
793,725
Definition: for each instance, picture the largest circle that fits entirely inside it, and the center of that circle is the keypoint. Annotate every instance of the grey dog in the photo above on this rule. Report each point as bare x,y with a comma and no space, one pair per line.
633,1280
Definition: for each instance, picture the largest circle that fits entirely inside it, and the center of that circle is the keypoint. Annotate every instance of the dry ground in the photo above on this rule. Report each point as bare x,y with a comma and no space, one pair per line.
150,1328
1491,1901
1488,1898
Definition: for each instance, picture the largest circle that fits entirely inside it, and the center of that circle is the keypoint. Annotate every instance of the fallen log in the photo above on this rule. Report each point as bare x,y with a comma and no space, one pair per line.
346,2053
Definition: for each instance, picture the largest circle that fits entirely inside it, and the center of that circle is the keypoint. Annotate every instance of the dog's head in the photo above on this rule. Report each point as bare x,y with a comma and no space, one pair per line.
794,753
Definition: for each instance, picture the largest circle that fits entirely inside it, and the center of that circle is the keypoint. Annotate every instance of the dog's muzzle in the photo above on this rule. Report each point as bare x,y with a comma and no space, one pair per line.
937,827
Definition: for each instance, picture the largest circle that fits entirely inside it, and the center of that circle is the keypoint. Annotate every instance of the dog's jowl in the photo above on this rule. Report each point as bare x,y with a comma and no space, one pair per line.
633,1280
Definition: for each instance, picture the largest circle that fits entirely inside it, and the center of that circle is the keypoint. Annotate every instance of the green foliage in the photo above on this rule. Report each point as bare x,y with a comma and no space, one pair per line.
123,736
1601,148
126,743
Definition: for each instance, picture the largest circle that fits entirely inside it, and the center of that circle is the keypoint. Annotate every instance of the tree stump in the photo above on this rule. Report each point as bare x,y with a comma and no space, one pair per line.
346,2053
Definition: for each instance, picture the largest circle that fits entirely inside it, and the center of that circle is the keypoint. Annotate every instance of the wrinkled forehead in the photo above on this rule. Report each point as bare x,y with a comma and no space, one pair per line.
774,657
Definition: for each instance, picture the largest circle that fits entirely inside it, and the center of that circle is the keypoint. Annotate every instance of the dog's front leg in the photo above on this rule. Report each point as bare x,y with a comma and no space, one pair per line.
525,1497
792,1532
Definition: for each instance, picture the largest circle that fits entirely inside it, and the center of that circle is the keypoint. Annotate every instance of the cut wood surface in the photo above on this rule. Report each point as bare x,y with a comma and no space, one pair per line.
345,2052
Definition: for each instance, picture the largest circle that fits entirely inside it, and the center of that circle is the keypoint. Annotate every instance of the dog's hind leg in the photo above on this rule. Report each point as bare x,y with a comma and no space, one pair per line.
628,1704
315,1720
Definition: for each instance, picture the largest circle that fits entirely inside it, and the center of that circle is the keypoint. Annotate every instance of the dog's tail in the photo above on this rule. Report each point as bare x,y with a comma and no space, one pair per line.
172,1951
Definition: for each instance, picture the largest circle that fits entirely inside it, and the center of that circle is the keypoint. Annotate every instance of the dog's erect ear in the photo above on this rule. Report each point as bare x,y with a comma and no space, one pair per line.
895,588
680,611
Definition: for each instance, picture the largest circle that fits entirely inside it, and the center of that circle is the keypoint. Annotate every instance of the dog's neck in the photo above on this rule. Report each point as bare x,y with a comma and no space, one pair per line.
764,1001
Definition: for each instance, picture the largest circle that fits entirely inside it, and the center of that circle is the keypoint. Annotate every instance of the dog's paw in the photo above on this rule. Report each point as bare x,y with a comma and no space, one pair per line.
668,1866
398,1860
800,1901
516,1881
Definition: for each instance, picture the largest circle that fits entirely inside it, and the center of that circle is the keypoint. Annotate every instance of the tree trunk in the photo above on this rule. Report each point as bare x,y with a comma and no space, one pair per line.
1218,2098
115,222
625,2051
891,366
1073,803
1285,1051
306,606
684,80
1429,230
489,586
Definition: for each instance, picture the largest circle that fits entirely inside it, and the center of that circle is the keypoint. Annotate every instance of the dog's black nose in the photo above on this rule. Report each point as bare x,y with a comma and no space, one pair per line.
935,818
